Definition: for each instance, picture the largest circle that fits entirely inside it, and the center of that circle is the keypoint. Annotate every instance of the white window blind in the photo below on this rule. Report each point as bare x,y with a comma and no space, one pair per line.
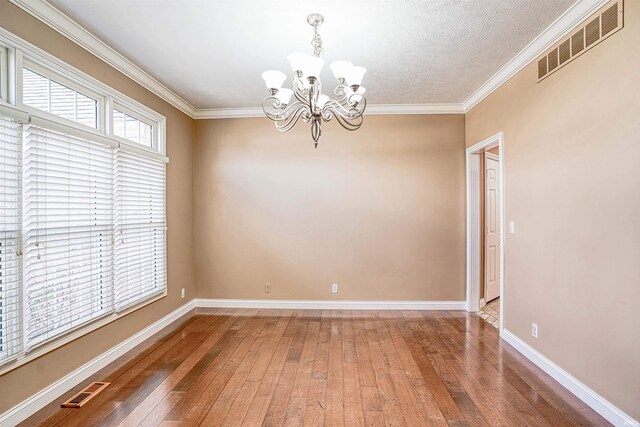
10,274
140,261
68,232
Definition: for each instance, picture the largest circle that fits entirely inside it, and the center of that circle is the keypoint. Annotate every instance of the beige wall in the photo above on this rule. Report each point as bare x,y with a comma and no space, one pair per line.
572,152
22,382
379,211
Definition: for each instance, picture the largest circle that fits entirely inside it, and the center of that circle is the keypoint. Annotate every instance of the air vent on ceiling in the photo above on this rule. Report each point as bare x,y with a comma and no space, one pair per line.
598,27
85,395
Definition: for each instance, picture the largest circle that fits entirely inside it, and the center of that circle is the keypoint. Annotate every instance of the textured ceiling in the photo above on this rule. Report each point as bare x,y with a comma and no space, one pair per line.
212,53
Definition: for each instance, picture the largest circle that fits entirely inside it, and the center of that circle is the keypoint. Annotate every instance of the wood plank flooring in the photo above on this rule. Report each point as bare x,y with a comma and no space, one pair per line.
233,367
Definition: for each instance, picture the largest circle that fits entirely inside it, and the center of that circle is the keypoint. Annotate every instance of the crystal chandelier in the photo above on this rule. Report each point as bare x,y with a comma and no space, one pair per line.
309,103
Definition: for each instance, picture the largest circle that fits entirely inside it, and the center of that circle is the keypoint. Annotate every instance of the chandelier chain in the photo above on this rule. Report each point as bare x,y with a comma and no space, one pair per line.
316,42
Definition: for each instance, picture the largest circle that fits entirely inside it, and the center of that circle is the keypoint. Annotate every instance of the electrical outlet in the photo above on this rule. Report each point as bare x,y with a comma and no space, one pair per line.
267,288
534,330
182,293
334,288
512,227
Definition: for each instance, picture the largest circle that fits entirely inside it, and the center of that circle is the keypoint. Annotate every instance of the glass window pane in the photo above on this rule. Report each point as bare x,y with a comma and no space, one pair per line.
36,90
63,101
118,123
86,110
132,129
145,134
50,96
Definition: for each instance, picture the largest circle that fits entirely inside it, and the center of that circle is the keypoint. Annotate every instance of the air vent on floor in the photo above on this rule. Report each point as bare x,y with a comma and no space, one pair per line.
597,28
85,395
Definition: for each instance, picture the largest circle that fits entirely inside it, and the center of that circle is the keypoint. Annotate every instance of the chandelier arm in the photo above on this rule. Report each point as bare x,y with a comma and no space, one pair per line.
349,111
342,92
276,104
349,122
299,91
359,106
288,123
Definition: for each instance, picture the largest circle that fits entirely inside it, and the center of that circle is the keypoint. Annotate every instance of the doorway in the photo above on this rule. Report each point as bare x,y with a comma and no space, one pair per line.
485,229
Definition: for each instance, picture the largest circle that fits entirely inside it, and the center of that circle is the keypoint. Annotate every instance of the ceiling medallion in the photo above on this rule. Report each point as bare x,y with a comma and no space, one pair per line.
309,103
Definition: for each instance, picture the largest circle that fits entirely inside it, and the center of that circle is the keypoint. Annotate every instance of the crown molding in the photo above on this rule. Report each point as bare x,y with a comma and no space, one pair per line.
573,16
228,113
372,109
60,22
452,108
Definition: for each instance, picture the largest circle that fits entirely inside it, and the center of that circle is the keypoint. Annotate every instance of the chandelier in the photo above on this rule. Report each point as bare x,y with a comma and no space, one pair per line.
309,103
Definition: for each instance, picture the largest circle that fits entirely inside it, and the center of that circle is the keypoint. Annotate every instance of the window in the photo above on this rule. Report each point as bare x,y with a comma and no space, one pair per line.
140,226
52,97
67,233
10,277
131,128
82,204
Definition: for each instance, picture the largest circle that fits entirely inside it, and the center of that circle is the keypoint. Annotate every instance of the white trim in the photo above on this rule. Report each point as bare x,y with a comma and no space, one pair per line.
57,20
596,402
4,73
491,156
228,113
132,147
372,109
473,221
14,112
577,13
33,404
331,305
473,232
60,22
482,302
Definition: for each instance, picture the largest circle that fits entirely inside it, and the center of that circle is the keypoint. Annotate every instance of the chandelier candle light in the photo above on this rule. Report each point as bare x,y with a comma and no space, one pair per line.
309,103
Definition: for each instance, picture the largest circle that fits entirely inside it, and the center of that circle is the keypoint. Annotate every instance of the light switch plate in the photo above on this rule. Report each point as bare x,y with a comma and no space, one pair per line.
512,227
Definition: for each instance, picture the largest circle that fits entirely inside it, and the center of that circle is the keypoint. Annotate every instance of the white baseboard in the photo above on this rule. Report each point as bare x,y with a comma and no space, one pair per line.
599,404
482,302
25,409
335,305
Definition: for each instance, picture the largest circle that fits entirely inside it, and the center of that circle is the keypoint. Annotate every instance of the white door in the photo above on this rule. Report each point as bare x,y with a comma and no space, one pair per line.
492,227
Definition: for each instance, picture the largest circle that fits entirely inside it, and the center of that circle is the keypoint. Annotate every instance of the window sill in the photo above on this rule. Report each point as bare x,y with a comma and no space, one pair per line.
74,335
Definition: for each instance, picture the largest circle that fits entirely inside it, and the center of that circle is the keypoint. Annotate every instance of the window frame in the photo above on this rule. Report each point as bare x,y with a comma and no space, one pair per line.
4,73
19,53
70,84
148,117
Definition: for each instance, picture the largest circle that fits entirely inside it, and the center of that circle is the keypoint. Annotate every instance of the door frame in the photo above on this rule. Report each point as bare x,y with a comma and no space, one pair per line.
474,281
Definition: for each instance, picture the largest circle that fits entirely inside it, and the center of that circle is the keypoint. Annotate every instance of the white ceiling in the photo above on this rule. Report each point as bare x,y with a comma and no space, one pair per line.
212,53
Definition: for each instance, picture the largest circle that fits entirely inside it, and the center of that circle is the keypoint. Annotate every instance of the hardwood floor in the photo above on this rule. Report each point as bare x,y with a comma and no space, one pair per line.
321,367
